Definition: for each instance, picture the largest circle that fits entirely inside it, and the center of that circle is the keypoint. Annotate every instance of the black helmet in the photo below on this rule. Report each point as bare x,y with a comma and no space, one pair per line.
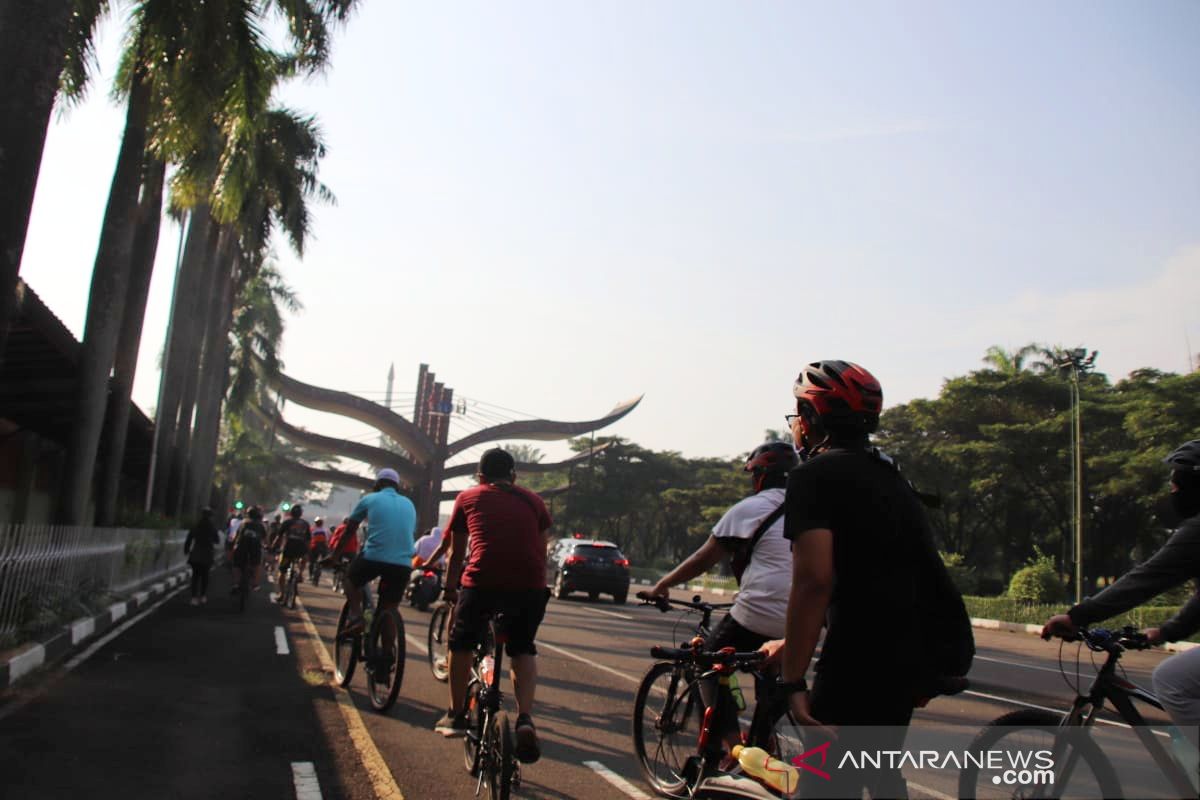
1186,457
254,513
296,510
772,457
771,462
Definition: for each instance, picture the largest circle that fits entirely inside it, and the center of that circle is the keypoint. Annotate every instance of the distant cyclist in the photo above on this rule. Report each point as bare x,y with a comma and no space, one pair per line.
388,549
294,533
751,535
426,546
505,574
318,544
248,548
1177,679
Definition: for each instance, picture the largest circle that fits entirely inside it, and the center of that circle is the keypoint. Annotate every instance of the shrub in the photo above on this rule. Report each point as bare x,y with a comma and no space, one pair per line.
1037,581
964,576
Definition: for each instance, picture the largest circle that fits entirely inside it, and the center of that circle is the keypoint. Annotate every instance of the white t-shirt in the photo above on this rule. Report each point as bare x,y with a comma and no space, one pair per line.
761,603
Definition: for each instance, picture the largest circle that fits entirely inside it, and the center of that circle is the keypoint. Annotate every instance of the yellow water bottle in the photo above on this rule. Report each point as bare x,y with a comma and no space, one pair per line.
759,764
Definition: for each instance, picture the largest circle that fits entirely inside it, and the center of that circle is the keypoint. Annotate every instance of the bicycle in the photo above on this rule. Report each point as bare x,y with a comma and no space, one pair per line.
438,641
1066,735
291,585
314,570
673,727
382,651
489,749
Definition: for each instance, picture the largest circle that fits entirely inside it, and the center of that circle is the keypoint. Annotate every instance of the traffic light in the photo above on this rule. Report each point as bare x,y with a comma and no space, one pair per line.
286,505
238,505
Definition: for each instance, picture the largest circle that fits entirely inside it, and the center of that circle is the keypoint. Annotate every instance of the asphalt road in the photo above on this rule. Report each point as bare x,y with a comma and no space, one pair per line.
204,702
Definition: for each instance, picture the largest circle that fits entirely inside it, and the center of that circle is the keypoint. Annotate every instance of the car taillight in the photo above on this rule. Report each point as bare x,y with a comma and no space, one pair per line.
574,560
622,562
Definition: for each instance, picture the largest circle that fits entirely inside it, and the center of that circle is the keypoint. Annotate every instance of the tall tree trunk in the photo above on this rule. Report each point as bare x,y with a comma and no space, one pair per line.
214,378
198,325
32,47
110,285
178,349
145,246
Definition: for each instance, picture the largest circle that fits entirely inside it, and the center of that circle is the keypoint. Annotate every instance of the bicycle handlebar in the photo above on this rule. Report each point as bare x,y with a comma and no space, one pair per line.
726,657
1101,639
664,604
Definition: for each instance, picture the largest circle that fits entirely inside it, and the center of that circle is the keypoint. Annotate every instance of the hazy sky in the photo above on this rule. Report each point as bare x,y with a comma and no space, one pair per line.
561,205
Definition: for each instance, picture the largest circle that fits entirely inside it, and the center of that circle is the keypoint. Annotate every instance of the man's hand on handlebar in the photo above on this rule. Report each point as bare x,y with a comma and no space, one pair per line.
773,652
1060,625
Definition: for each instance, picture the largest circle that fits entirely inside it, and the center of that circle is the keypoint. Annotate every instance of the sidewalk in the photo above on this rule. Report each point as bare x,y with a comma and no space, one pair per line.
189,702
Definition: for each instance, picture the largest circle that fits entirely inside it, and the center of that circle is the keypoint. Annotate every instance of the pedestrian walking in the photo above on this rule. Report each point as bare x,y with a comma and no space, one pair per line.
201,540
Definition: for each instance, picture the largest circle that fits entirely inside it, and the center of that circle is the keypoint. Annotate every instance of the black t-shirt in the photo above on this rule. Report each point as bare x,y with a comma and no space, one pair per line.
878,526
296,529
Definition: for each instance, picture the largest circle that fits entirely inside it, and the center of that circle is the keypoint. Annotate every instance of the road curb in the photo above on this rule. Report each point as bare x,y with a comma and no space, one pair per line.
71,636
1017,627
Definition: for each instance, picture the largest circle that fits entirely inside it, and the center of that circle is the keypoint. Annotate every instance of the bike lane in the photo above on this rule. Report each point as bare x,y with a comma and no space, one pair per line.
189,702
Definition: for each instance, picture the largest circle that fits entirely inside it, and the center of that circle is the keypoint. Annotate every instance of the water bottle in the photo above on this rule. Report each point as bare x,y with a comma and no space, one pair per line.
735,690
759,764
486,667
368,617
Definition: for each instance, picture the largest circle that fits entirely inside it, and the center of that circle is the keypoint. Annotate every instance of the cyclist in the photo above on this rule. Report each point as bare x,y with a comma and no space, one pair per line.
426,546
505,526
852,519
293,537
1177,679
318,545
759,610
388,550
248,548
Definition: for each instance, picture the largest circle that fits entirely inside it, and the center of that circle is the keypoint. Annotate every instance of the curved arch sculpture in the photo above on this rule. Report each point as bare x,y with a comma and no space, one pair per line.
467,470
425,440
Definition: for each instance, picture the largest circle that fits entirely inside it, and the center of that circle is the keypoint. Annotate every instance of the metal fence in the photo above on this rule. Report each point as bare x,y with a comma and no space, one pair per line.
52,574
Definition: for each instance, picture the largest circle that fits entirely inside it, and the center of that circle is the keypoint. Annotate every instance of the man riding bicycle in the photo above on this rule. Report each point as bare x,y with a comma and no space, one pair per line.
248,548
1177,679
388,550
293,537
318,545
504,527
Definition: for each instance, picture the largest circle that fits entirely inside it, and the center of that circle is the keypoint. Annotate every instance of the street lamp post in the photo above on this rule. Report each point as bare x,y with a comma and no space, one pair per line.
1079,361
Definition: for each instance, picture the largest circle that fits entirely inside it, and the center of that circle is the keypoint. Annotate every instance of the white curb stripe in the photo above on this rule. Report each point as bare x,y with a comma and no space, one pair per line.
82,629
141,598
117,610
616,780
26,662
304,776
281,645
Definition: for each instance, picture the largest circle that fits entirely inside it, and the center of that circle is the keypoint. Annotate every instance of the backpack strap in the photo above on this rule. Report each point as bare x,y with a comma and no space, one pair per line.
762,528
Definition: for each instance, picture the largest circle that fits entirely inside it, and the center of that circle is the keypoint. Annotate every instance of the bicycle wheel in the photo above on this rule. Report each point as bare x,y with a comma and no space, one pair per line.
385,671
475,715
501,756
345,649
667,712
438,642
1079,768
293,587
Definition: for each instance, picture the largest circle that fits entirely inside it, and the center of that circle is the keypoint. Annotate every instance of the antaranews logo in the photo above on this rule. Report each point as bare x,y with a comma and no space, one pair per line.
1012,767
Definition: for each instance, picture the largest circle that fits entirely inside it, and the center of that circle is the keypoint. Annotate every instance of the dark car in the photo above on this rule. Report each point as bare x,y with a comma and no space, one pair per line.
588,565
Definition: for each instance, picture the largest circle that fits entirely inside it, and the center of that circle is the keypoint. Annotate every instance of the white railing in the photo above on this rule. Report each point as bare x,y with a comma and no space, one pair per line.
48,573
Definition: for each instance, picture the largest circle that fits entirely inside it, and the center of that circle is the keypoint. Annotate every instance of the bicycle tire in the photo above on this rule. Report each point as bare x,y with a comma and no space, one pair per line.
437,643
501,757
667,713
345,650
386,672
1030,730
293,587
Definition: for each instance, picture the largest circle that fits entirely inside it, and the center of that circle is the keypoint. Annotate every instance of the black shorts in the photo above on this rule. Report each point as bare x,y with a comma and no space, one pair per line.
520,613
731,633
294,548
247,552
392,577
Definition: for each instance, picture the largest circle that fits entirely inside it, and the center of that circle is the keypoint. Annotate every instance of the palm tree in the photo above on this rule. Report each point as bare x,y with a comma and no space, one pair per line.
33,41
1010,362
186,61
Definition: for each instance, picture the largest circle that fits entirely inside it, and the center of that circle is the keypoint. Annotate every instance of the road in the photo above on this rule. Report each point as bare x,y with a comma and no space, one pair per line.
203,702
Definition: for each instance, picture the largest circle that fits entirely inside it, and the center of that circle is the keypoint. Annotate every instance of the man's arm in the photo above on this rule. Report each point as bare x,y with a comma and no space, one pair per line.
458,549
1184,623
709,554
812,586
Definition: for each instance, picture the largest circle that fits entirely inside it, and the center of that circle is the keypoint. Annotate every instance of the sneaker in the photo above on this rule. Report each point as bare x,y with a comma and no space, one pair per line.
195,601
203,599
452,725
528,750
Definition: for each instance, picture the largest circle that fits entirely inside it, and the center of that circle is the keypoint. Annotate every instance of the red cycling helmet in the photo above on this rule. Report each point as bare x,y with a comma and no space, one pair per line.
771,459
840,392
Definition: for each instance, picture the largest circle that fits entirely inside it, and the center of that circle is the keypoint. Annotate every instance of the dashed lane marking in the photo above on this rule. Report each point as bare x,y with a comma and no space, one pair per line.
304,776
619,783
606,613
589,662
373,764
1057,711
281,645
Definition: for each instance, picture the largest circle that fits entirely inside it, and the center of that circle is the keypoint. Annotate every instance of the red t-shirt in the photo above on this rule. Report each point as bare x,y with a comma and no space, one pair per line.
505,527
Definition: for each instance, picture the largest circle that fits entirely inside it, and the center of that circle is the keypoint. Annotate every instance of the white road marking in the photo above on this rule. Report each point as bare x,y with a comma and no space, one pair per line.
416,643
304,776
1057,711
931,792
616,780
1055,670
588,661
281,645
606,613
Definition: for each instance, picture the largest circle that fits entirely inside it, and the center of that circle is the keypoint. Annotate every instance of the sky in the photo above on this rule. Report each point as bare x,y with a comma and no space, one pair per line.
562,205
